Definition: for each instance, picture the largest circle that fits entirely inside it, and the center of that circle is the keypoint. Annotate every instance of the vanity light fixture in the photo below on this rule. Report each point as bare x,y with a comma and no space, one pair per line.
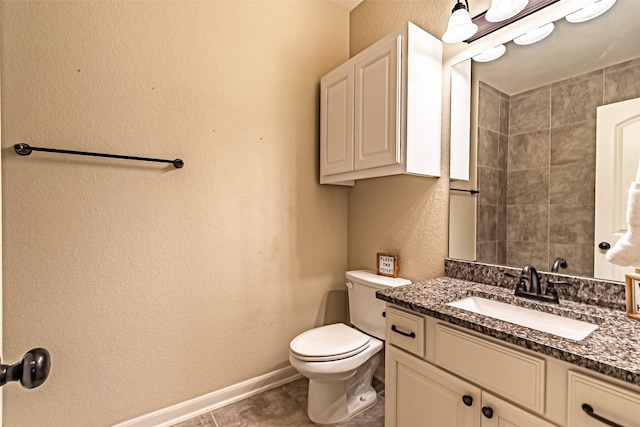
501,10
491,54
460,26
534,36
485,27
594,10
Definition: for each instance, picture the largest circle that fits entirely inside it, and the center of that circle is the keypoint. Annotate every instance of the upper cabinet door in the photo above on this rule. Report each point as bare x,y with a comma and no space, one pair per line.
336,120
377,106
380,112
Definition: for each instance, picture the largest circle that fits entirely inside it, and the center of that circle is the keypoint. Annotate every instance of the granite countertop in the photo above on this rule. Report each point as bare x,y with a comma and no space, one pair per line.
613,349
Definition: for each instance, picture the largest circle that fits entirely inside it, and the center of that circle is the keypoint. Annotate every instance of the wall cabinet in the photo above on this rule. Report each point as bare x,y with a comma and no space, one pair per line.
453,377
380,112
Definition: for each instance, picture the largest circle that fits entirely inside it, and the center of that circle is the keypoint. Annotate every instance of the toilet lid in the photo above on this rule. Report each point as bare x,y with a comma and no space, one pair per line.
330,342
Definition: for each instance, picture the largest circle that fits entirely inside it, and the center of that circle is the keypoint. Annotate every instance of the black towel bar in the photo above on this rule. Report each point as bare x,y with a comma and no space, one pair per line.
26,149
465,191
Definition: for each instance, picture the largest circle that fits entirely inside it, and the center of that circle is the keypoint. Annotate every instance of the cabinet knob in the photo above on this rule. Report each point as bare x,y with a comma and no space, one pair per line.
467,400
487,411
604,246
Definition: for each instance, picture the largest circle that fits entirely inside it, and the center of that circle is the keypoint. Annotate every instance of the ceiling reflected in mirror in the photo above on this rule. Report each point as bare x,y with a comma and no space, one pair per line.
571,49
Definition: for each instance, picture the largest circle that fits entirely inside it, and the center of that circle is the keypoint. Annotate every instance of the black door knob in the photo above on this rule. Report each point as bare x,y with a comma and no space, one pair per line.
467,400
487,411
604,246
31,371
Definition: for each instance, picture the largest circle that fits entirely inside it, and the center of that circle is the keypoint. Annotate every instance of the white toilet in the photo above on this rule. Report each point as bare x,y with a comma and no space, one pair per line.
340,360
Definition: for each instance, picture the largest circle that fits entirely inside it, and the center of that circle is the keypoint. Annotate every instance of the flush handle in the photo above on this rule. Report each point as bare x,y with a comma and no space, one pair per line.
31,371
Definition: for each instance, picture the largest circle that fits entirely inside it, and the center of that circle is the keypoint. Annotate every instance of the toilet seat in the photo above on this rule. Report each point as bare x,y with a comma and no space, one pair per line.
327,343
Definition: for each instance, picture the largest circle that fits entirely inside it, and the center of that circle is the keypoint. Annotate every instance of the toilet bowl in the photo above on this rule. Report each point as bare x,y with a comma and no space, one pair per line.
340,383
340,360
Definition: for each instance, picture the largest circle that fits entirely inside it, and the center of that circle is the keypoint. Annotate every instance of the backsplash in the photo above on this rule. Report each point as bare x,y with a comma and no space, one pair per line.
602,293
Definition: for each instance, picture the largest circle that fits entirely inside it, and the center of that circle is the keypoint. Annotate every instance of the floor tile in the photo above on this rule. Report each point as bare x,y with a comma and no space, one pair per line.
204,420
284,406
271,408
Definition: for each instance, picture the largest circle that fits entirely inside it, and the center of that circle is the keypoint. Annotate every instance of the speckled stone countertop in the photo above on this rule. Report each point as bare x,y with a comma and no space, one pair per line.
613,349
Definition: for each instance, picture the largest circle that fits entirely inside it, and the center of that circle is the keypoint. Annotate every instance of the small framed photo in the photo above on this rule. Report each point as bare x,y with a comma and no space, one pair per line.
388,265
632,292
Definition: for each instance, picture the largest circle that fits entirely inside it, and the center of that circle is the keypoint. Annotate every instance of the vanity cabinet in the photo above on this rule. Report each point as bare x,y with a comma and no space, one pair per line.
420,394
380,111
439,375
606,403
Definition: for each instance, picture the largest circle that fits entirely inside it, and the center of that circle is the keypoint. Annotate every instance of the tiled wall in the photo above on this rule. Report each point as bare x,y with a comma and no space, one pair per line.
537,170
493,129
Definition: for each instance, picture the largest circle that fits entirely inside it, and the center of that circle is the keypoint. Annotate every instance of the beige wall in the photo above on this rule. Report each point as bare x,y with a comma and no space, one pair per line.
405,215
150,285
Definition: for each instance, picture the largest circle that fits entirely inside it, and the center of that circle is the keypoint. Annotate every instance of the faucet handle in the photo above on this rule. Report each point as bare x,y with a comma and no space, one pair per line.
551,288
552,282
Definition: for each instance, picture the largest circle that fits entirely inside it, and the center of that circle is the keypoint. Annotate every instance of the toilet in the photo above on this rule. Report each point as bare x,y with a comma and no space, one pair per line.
340,360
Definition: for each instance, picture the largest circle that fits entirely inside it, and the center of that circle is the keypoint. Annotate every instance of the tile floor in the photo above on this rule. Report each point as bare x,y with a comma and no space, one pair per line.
284,406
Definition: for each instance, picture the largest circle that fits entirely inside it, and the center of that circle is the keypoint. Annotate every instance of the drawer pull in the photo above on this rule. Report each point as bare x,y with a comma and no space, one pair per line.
589,410
467,400
396,330
487,411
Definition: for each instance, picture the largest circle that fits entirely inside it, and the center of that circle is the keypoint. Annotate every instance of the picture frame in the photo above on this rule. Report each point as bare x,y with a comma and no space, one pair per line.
387,264
632,293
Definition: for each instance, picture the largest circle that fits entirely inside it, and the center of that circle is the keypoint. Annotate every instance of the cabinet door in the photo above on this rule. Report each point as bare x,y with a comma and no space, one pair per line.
377,106
593,403
419,394
336,121
499,413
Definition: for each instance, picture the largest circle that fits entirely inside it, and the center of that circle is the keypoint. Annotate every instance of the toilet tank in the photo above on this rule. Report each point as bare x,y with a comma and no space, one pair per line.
365,310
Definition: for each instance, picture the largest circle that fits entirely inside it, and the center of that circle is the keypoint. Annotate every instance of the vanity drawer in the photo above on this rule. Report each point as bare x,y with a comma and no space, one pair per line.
405,330
616,404
510,373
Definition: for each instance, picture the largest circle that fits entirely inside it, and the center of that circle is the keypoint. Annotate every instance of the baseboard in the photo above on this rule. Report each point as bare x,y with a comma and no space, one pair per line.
217,399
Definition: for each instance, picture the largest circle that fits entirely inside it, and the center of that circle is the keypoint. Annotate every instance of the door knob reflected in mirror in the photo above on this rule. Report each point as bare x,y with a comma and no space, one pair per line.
31,371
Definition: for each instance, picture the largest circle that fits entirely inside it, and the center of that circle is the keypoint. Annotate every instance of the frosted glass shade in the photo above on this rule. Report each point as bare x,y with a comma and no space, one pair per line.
460,27
594,10
491,54
501,10
534,36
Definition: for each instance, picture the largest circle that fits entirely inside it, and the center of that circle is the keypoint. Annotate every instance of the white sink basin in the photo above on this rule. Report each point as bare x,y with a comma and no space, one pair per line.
551,323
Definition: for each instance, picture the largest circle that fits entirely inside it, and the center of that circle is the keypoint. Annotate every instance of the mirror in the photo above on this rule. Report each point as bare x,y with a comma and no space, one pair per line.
536,110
